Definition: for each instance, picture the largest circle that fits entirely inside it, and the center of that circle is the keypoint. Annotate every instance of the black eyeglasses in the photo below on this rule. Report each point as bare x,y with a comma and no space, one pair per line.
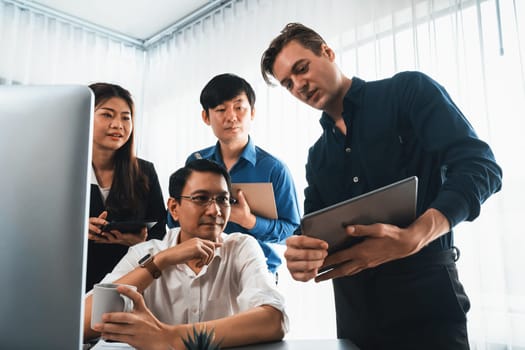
205,200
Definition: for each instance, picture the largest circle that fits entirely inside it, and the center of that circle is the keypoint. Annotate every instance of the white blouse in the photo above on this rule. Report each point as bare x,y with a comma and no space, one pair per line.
104,191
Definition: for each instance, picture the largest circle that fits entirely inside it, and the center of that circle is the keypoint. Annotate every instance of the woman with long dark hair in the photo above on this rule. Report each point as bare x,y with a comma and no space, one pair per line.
123,187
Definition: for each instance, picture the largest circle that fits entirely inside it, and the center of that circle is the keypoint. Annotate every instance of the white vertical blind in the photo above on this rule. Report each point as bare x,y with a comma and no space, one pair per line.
473,48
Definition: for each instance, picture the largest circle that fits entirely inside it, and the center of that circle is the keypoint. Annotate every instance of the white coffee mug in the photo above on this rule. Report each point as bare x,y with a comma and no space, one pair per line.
106,299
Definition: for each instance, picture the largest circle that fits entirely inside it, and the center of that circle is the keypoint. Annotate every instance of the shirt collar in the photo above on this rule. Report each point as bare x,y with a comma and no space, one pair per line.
249,152
93,177
352,97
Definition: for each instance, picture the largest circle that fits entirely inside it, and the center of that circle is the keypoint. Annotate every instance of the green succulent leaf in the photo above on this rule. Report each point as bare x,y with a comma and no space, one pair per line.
201,340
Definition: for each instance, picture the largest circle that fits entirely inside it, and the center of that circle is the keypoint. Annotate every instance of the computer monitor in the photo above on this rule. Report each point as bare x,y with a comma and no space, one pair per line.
45,151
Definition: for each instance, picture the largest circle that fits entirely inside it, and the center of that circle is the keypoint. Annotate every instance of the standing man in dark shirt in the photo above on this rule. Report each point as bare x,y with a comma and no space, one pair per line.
399,288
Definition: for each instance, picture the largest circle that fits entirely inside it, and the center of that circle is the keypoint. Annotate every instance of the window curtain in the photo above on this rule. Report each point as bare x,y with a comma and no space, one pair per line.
475,48
37,47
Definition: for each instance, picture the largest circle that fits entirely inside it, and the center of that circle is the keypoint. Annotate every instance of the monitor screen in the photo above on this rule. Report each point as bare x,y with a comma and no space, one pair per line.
45,150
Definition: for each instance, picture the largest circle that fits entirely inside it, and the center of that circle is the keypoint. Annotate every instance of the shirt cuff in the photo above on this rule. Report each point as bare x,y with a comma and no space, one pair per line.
454,206
261,226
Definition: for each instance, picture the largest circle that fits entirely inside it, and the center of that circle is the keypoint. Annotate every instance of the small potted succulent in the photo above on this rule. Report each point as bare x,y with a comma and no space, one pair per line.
202,340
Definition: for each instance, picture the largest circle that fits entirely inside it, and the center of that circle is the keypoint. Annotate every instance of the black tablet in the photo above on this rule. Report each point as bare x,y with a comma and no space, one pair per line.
393,204
128,226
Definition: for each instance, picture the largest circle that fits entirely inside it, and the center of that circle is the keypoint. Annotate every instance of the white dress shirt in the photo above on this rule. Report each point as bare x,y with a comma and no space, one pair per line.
236,280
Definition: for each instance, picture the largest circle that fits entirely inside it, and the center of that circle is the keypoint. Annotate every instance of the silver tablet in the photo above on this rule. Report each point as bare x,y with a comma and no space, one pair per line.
393,204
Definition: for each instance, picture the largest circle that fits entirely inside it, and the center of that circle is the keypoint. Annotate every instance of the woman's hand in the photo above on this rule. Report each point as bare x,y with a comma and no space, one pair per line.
95,227
97,235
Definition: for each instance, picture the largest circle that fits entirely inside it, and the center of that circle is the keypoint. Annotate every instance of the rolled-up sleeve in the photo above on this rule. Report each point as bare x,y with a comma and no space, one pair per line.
256,284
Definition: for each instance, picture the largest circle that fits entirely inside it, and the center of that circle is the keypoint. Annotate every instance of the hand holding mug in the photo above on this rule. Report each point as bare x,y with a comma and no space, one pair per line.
106,298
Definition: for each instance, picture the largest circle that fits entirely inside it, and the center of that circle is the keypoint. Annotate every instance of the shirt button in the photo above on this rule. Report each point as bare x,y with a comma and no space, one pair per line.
194,310
348,150
356,179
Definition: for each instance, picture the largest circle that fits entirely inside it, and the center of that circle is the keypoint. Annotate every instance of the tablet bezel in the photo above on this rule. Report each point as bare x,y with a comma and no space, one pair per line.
130,226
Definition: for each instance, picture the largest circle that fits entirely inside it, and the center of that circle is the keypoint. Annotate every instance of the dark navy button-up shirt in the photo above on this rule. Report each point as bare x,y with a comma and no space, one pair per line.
399,127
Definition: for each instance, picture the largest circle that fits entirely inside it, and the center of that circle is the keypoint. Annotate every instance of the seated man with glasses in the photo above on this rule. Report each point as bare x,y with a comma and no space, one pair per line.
197,276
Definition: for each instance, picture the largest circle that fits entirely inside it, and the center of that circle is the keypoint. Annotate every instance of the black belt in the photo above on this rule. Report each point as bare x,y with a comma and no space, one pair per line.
424,258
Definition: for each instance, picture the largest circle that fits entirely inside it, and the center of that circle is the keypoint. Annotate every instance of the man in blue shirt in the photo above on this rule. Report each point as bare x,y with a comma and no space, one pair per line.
399,288
228,107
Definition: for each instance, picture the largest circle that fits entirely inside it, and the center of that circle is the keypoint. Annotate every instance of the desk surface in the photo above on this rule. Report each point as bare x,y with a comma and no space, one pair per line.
304,344
292,344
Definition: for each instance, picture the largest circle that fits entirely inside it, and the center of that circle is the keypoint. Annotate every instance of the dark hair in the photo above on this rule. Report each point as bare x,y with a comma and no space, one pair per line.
130,184
179,178
308,38
224,87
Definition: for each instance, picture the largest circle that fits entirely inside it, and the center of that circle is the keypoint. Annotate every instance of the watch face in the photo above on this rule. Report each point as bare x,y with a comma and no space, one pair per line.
145,259
148,263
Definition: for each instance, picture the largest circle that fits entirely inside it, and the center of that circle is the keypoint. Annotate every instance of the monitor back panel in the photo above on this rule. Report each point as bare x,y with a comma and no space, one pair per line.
45,143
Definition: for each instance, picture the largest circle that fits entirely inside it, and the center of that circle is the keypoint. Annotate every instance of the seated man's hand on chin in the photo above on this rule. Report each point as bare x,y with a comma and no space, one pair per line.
200,250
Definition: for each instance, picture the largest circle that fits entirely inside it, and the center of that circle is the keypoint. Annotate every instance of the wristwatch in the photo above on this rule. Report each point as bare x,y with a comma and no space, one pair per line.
147,262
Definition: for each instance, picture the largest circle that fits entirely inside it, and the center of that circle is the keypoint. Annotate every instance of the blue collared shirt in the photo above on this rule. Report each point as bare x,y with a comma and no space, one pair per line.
257,165
399,127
